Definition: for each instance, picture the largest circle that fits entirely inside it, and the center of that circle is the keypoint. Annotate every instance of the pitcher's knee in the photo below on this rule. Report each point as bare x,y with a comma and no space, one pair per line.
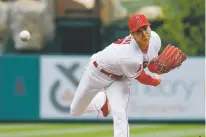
73,112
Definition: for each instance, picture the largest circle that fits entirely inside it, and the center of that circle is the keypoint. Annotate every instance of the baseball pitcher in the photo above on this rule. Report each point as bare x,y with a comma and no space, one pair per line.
112,69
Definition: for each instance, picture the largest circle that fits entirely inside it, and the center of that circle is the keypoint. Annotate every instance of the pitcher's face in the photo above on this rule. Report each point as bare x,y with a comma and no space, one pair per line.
142,35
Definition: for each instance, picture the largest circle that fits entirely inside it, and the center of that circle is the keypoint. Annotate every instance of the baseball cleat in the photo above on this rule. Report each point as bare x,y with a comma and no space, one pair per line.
105,108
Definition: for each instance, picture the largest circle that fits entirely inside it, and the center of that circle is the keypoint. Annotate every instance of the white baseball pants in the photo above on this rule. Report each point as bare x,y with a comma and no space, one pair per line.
92,82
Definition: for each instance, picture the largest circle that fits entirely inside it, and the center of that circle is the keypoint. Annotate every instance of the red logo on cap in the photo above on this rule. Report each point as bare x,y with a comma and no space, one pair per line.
138,20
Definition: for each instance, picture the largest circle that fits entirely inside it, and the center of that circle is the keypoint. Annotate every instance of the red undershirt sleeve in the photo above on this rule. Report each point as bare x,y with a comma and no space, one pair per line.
147,79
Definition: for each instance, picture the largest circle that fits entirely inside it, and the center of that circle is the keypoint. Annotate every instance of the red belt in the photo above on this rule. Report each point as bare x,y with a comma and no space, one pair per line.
110,75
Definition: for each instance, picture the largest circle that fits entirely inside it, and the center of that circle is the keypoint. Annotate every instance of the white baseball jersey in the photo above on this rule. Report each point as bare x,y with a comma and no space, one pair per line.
124,57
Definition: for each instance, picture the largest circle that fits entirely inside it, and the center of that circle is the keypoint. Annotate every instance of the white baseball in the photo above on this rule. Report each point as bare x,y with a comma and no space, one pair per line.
24,35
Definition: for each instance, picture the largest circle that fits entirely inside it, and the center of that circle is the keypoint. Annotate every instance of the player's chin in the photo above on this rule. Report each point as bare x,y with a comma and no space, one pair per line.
146,40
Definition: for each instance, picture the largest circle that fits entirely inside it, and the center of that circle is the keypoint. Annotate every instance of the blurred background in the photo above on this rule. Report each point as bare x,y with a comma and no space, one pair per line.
38,78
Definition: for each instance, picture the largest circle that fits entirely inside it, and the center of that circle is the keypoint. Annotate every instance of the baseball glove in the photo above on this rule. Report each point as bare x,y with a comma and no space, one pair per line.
168,60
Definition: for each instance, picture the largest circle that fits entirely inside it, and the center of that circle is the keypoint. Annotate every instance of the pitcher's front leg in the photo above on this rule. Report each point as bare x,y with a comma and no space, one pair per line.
118,94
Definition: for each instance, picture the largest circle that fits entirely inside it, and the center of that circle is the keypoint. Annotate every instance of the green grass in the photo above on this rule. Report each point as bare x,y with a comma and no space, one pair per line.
100,130
200,135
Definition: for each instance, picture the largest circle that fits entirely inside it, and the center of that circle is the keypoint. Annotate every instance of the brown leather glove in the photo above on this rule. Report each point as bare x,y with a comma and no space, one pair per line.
168,60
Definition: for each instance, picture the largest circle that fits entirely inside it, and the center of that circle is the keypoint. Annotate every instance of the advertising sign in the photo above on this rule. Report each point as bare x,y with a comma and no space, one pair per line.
179,96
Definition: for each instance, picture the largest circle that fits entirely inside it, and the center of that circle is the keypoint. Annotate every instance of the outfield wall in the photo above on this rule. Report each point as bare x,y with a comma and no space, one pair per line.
41,88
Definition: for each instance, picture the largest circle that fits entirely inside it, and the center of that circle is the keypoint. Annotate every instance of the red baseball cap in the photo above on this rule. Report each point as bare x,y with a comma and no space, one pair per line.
137,21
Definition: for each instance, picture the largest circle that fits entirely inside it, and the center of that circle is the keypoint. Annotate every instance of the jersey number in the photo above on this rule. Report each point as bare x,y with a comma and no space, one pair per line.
125,40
